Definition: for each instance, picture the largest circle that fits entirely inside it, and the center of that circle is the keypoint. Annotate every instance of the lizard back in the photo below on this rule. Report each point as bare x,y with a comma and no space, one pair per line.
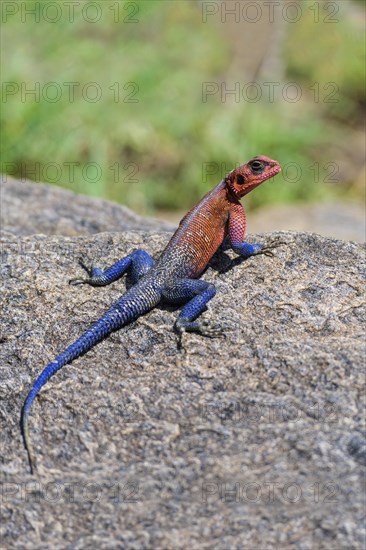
199,235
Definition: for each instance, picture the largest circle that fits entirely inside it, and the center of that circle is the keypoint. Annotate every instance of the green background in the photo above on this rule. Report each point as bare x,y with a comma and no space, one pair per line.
146,135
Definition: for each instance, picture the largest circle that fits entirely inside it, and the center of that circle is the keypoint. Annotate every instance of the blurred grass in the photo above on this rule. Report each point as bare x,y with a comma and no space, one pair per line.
169,136
338,57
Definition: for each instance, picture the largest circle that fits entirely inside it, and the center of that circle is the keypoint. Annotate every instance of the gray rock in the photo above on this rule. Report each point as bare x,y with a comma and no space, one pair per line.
255,440
29,208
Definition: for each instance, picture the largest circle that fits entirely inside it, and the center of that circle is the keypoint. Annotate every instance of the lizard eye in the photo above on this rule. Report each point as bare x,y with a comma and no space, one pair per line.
257,167
240,179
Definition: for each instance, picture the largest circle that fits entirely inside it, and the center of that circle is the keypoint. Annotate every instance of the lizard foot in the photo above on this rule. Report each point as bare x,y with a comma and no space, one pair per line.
202,326
94,274
205,328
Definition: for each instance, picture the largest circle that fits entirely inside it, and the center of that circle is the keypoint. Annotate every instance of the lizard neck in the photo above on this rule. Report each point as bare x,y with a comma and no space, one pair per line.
231,194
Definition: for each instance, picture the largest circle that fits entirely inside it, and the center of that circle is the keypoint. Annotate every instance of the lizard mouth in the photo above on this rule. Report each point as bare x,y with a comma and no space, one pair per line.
275,170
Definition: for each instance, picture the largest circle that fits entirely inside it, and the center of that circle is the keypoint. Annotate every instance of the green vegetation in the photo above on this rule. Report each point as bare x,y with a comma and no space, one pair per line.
156,143
336,59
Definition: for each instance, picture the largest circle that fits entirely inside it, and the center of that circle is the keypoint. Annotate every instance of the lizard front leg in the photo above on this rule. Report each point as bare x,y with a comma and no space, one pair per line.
136,264
237,225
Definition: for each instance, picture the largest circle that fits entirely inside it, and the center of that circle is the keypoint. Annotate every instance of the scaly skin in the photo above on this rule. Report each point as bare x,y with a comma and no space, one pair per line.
173,278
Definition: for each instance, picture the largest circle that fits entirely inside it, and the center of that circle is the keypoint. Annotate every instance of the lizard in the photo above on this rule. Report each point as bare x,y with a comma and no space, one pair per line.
174,278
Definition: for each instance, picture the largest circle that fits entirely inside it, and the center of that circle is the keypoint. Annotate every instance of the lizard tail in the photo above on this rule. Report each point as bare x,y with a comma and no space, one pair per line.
126,310
90,338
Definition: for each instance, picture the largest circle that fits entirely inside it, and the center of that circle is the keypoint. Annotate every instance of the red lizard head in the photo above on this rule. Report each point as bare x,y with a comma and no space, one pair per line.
246,177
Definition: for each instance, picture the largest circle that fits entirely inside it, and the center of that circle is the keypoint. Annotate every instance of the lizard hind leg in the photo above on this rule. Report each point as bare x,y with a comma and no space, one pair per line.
194,294
136,264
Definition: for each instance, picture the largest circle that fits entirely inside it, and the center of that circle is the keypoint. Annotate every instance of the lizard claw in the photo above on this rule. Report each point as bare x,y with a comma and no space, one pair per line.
92,271
205,328
202,327
87,268
267,249
78,281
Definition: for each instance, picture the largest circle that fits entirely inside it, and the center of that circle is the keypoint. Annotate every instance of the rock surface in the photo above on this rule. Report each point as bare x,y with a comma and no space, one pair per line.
250,441
29,208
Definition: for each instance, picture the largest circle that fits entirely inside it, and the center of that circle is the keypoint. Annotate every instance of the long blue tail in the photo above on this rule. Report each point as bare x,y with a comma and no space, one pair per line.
128,308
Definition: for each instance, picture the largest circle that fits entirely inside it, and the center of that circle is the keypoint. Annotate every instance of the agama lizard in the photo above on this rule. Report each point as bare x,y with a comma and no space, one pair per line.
173,278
